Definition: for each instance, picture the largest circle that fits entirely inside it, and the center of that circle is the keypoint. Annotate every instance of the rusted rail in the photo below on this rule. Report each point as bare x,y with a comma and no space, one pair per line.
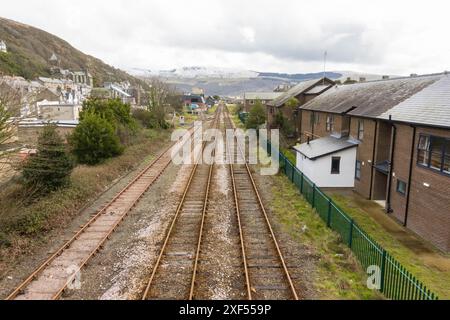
53,276
242,189
174,279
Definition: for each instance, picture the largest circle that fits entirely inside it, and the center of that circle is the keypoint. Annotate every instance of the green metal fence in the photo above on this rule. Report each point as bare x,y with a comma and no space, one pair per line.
395,281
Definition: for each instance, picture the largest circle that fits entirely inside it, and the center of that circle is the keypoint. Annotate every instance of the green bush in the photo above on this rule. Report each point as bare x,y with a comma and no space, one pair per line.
94,140
146,118
118,114
50,168
256,117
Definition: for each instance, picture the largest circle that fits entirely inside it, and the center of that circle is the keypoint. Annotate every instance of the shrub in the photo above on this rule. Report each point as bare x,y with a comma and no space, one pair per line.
50,168
118,114
146,118
256,117
94,140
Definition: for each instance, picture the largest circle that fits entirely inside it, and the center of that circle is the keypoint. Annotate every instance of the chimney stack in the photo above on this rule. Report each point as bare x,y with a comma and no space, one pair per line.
362,79
385,78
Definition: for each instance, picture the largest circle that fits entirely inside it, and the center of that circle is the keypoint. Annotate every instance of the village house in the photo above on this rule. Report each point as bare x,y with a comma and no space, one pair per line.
119,91
303,92
392,138
3,47
250,98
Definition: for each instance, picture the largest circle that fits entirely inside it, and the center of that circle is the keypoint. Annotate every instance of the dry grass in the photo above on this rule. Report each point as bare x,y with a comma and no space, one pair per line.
25,224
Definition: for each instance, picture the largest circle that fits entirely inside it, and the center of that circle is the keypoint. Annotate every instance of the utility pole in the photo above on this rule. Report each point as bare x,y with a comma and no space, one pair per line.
324,65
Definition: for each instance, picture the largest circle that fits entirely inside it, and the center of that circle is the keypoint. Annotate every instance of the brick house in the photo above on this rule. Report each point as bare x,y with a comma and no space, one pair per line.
250,98
402,128
303,92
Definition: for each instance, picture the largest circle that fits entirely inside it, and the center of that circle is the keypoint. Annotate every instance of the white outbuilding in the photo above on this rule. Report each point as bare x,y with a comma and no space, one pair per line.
3,47
328,162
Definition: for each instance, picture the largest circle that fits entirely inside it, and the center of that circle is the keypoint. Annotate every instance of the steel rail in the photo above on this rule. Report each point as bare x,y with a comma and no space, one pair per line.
67,244
202,223
266,218
241,235
172,225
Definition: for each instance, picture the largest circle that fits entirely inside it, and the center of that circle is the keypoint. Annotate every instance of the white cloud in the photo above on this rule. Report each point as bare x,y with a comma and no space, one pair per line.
386,36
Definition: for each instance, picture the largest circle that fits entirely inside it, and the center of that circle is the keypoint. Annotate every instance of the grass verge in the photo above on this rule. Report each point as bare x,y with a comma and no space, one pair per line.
430,267
337,274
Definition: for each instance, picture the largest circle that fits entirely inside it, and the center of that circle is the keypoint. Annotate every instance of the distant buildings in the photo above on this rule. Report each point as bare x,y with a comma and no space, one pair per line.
3,47
303,92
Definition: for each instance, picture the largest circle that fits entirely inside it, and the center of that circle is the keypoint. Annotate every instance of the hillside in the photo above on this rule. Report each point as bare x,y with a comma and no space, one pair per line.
29,50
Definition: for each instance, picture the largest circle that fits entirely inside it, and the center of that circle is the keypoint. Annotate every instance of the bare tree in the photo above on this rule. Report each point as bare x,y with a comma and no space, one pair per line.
12,100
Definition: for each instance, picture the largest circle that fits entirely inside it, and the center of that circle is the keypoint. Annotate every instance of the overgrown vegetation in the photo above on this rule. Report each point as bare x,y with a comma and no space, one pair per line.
94,140
257,116
50,168
25,224
337,274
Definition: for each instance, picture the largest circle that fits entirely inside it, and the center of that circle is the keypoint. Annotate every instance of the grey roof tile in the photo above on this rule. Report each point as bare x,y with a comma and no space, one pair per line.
370,99
324,146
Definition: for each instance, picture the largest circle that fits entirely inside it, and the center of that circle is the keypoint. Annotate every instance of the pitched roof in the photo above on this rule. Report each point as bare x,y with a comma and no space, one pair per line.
262,95
295,91
431,106
324,146
370,99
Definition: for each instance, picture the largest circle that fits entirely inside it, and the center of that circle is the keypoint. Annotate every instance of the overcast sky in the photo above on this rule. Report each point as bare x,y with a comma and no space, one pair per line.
384,37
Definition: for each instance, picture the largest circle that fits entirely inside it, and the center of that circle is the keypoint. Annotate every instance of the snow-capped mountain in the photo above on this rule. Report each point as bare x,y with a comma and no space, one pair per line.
195,72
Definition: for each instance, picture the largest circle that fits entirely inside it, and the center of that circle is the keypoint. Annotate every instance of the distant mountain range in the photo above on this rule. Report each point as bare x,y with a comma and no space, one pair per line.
234,82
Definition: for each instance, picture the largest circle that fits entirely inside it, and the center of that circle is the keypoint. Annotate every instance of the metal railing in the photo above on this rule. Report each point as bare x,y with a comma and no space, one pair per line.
395,282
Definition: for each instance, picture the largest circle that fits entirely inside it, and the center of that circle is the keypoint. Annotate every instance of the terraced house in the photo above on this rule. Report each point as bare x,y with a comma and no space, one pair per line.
303,92
399,131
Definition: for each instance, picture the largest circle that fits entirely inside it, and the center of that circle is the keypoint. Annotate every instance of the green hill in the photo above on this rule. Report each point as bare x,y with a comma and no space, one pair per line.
29,50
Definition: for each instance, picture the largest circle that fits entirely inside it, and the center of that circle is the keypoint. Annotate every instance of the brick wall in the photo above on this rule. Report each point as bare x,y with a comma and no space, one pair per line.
429,208
29,135
364,154
400,169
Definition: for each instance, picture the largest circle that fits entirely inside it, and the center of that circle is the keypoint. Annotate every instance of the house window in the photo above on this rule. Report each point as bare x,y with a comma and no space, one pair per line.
335,165
401,187
330,123
423,150
434,153
358,170
360,130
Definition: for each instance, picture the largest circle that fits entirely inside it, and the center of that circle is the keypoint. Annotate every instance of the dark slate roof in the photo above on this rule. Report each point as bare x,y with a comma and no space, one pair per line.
370,99
431,106
295,91
324,146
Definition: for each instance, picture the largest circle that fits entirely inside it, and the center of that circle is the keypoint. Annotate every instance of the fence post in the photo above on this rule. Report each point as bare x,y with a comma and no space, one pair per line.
329,214
350,236
301,184
383,271
313,196
293,173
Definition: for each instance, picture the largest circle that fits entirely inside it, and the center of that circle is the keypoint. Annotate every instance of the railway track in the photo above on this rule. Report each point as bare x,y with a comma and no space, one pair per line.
266,273
61,269
174,273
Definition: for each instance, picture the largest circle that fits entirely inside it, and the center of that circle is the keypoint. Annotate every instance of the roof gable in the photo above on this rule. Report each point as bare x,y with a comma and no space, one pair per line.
302,87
